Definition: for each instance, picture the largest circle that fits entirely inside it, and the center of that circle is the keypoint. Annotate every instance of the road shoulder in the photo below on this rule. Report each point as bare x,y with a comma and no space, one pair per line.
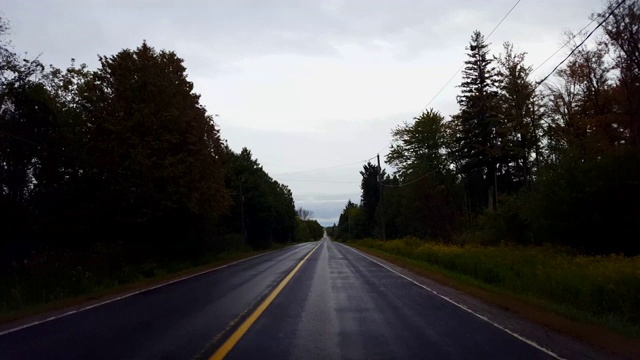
565,337
80,303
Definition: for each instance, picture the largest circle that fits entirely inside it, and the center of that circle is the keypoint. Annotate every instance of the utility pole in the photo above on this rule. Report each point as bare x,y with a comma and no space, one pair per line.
380,202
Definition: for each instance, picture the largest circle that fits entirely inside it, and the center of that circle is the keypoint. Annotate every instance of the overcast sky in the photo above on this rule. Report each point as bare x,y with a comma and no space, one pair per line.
304,85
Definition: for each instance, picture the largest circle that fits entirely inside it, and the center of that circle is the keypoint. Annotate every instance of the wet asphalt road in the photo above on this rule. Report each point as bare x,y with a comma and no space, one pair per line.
338,305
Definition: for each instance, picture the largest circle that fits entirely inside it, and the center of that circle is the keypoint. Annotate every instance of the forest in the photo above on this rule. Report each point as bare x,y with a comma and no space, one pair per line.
119,172
530,158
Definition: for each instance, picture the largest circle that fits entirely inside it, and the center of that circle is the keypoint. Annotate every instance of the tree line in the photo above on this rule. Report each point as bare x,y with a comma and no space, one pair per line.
125,160
523,161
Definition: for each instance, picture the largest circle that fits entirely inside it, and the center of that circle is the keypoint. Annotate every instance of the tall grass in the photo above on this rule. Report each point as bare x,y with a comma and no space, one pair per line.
48,278
605,287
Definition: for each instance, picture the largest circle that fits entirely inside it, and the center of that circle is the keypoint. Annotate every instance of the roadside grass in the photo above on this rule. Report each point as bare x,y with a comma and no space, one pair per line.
602,290
37,291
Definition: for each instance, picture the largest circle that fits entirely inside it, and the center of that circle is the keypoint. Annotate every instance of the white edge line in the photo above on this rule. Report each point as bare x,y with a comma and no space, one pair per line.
131,294
530,342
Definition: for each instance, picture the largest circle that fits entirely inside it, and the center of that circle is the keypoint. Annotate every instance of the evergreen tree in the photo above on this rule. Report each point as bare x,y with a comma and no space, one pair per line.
371,176
478,123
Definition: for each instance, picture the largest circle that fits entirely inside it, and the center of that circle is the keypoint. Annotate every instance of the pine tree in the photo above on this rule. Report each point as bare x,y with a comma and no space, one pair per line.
370,198
477,123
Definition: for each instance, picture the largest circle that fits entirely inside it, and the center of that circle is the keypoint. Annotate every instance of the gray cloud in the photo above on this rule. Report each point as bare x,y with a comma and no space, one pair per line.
222,31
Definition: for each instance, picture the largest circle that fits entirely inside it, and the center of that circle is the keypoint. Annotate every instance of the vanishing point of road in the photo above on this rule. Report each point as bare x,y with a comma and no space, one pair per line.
319,300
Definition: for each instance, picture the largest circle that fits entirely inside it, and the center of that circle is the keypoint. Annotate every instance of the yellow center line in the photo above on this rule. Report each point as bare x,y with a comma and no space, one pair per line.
242,329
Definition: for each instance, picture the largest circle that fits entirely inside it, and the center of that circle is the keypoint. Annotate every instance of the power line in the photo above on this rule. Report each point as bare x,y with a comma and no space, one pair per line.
321,181
581,43
444,86
461,67
433,171
65,154
384,148
547,76
562,47
504,17
567,43
410,182
59,152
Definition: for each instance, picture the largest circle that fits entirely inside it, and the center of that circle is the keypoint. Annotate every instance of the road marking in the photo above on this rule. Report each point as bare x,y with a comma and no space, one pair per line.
519,337
244,327
130,294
